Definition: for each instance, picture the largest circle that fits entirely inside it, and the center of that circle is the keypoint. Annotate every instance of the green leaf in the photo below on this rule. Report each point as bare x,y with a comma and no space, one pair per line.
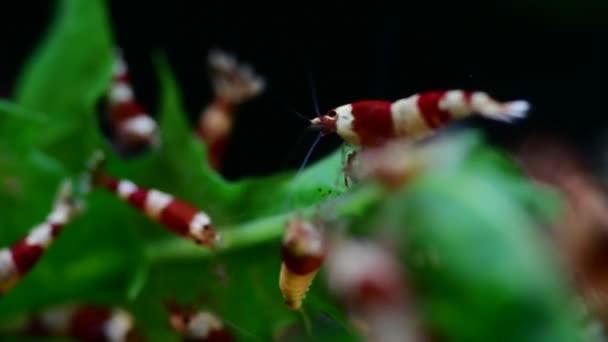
64,79
481,268
10,110
95,258
28,183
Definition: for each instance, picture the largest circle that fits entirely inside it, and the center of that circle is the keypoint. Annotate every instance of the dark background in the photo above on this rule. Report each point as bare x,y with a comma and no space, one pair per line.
548,52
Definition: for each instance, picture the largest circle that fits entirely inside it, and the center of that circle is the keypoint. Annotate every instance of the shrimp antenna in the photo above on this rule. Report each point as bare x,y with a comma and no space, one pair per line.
313,94
309,153
301,116
300,169
288,108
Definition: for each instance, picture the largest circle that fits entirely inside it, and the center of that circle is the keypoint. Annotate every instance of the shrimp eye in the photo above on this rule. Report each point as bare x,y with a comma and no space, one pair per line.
332,113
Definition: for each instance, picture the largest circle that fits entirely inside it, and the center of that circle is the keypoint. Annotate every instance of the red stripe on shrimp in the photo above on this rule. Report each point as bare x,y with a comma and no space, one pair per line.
25,255
87,323
467,96
428,103
109,183
125,189
178,216
138,198
126,110
56,229
373,121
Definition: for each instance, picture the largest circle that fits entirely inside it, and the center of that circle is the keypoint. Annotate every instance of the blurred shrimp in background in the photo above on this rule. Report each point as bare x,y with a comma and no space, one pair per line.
581,231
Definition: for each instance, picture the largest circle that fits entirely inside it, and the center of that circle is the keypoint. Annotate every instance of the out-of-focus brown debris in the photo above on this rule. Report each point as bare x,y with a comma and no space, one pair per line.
582,231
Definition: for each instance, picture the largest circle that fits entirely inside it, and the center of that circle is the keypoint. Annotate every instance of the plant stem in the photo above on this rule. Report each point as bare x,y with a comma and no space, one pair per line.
264,230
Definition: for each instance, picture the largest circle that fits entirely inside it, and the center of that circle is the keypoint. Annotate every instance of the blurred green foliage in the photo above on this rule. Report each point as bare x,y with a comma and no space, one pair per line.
494,276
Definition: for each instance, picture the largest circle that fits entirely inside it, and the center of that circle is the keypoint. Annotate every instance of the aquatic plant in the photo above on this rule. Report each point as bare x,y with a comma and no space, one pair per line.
468,232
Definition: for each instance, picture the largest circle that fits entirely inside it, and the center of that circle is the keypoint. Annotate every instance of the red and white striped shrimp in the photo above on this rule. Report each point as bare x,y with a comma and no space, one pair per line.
197,326
178,216
392,164
84,322
302,252
581,234
18,259
233,84
133,128
175,214
368,277
400,160
373,122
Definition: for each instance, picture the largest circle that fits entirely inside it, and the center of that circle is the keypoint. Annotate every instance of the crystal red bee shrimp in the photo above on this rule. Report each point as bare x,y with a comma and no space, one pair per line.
18,259
373,122
197,326
83,322
177,215
133,128
233,84
302,251
368,277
